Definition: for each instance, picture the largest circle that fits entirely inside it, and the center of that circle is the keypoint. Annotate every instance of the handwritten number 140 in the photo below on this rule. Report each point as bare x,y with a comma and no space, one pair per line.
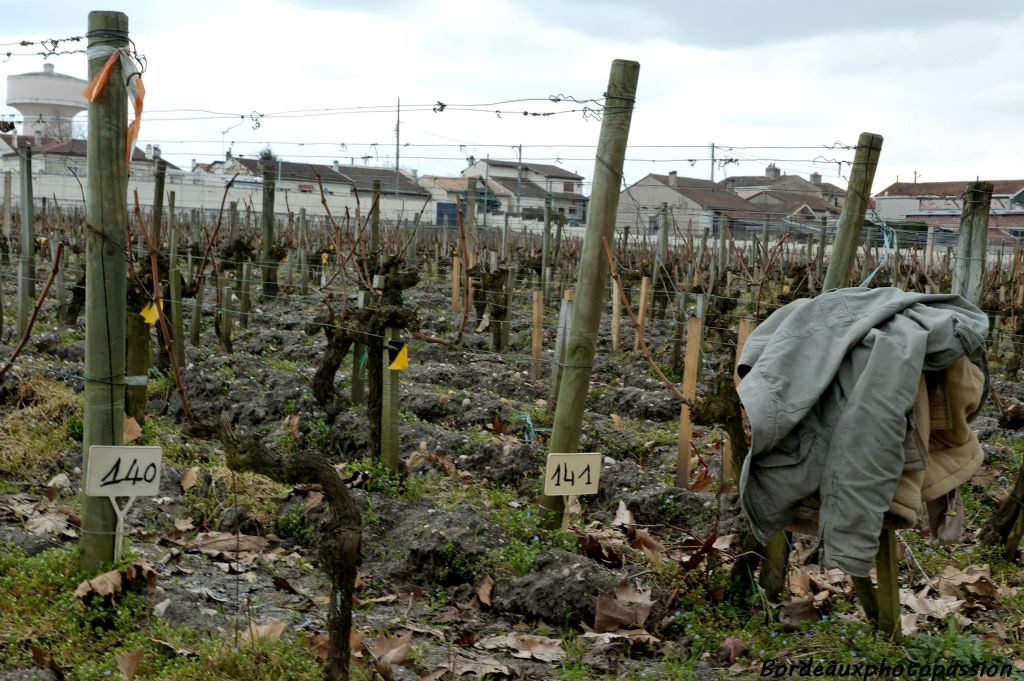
132,475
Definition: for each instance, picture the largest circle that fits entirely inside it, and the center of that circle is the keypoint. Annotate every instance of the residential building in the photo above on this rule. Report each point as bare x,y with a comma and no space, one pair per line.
797,208
531,183
693,203
491,198
775,180
941,203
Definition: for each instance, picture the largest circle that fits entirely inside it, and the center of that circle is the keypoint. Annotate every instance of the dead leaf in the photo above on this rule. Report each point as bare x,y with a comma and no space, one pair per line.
937,608
128,663
974,580
170,647
703,481
628,607
313,499
653,550
434,675
44,658
318,643
798,610
132,429
391,651
729,650
483,590
526,647
292,423
616,419
184,524
623,516
725,542
271,631
189,478
908,623
480,668
215,543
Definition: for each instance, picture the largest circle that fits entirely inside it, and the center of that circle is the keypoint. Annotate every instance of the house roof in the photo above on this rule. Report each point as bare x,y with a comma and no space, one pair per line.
812,201
955,188
709,195
791,183
65,147
360,177
542,168
458,185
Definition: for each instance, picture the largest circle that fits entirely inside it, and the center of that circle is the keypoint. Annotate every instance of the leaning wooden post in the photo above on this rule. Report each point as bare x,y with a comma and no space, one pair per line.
224,297
198,281
969,273
855,206
244,297
105,280
469,225
456,283
26,264
616,317
593,267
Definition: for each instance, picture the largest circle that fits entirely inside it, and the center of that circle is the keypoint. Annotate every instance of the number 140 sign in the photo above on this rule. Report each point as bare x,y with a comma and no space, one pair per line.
572,474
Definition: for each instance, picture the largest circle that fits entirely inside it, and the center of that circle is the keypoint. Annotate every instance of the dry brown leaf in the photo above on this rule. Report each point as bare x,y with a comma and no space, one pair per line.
638,637
184,524
628,607
799,582
434,675
483,590
132,429
271,631
725,542
318,643
107,584
189,478
616,419
387,598
129,663
313,499
975,580
653,550
480,668
729,650
938,608
525,646
908,623
798,610
703,481
216,543
292,423
394,650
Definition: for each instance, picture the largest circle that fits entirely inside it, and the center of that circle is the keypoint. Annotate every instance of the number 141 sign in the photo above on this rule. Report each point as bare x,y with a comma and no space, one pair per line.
572,474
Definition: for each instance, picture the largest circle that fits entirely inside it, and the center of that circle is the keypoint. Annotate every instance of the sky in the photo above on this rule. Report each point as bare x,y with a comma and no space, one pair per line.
783,82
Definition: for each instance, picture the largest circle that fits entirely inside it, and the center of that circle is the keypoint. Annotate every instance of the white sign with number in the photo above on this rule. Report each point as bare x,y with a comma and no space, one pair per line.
572,474
123,471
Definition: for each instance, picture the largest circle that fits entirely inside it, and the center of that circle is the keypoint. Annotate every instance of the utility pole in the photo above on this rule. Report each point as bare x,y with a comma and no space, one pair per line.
593,266
26,264
519,183
851,220
968,276
105,278
398,129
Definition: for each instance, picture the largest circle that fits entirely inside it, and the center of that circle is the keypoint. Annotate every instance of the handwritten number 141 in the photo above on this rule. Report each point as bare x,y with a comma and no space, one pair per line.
563,473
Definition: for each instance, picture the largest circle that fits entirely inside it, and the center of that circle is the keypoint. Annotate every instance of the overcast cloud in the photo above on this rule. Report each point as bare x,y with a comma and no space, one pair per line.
939,80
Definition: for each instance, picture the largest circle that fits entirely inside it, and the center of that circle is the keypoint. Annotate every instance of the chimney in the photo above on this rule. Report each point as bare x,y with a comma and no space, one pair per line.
227,155
48,68
38,141
816,179
336,166
673,179
149,152
194,164
156,152
772,172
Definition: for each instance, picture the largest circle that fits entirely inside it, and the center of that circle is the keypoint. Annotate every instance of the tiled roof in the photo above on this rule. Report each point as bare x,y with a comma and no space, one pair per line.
55,145
360,177
542,168
460,184
813,201
955,188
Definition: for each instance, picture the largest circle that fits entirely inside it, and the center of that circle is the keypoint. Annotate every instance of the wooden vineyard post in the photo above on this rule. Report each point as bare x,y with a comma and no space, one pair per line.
268,268
969,273
244,296
224,295
456,284
616,318
851,220
106,280
389,410
26,264
691,365
538,332
645,288
745,327
593,267
564,324
545,251
174,281
7,236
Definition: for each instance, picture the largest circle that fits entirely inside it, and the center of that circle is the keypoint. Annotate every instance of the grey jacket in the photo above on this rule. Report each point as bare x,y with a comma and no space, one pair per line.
828,384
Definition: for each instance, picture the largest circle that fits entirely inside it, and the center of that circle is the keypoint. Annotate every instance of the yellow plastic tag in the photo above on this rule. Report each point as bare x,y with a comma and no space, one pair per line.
323,258
398,354
150,314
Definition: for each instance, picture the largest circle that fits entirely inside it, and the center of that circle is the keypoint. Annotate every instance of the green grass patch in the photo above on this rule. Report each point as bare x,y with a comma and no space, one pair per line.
44,420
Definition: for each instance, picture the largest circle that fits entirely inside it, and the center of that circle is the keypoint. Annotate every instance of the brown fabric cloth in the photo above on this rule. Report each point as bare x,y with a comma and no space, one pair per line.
941,452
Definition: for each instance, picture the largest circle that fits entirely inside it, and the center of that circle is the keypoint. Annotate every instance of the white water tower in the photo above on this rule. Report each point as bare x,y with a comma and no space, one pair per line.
47,101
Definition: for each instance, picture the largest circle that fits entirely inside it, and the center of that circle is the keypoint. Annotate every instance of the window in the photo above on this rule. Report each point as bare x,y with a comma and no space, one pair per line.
569,187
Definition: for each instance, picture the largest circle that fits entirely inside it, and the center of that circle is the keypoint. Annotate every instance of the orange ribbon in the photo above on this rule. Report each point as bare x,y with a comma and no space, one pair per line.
136,91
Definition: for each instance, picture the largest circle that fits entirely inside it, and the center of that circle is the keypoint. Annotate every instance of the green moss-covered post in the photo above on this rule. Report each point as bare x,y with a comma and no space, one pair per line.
593,266
174,277
105,279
